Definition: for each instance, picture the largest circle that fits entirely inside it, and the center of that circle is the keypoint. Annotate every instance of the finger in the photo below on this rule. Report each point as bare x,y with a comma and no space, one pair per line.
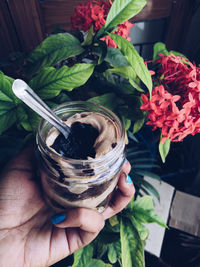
81,227
121,197
86,219
126,167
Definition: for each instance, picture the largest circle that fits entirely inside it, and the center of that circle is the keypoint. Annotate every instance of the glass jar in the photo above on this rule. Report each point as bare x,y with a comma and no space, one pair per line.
70,182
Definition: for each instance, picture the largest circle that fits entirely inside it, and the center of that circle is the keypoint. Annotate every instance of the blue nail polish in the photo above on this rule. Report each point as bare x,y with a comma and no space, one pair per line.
58,218
125,160
128,179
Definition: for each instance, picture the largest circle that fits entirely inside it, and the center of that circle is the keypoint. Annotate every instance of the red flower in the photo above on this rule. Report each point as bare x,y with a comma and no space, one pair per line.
94,13
175,104
123,30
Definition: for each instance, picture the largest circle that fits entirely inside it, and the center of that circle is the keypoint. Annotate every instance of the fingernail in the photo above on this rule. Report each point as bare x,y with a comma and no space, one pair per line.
58,218
125,160
128,179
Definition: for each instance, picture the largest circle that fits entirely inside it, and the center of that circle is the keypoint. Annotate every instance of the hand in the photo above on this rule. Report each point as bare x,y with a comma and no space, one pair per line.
27,235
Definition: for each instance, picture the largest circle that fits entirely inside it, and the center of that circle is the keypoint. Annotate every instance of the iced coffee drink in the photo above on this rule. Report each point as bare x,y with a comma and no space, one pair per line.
83,170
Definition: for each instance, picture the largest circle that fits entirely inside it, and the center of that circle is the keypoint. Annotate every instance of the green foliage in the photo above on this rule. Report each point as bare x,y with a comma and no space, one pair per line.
6,93
124,71
89,38
131,244
7,104
131,108
96,263
50,82
126,123
141,228
142,164
7,115
30,120
164,149
108,100
135,85
134,59
160,48
83,256
138,125
124,241
132,231
143,210
121,10
114,56
53,49
112,253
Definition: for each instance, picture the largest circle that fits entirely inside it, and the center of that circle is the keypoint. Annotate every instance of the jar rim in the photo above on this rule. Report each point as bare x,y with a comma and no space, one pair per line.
115,150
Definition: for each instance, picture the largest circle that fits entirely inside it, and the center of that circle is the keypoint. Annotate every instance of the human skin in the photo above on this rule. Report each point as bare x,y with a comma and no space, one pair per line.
27,236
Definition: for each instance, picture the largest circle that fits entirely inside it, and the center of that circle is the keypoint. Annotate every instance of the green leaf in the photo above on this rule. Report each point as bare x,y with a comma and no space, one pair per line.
151,189
142,230
142,188
89,38
136,85
4,97
158,48
113,220
62,97
114,56
149,174
132,110
134,59
112,254
145,203
124,71
131,245
103,53
31,119
6,93
49,82
7,103
143,210
96,263
122,10
164,149
126,122
138,125
7,115
53,49
132,137
149,216
101,248
107,100
83,256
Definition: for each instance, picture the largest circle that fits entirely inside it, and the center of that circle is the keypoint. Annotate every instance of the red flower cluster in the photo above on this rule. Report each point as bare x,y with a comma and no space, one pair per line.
175,104
123,30
90,13
94,12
